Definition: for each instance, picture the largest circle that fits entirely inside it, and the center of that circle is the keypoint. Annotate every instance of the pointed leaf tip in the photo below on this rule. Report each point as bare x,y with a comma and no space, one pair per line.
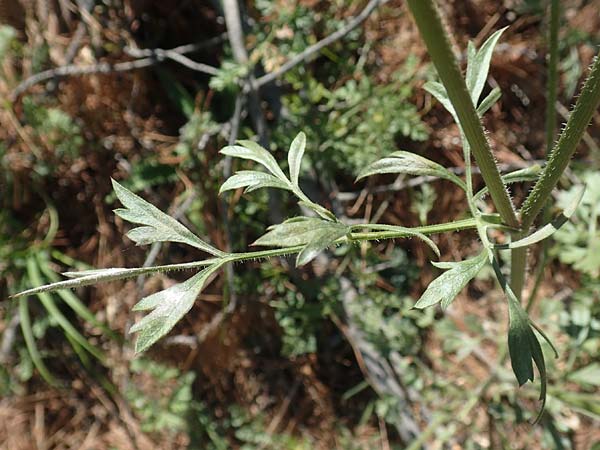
295,156
168,307
157,226
446,287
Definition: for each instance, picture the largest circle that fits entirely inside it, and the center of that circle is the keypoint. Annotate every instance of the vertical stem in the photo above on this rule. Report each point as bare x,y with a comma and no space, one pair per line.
518,266
551,96
561,154
552,81
559,158
436,39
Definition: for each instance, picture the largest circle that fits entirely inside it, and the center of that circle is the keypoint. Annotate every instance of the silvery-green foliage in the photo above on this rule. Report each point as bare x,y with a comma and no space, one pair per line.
530,173
156,225
308,236
295,156
478,67
478,64
447,286
168,307
253,180
313,233
411,164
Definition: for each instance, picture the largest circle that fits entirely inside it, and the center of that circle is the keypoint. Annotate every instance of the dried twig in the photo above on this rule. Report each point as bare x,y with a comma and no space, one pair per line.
315,48
74,69
161,54
146,58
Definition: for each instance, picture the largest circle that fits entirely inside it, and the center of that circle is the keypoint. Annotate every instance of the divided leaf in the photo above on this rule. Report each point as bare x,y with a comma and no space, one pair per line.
158,226
321,239
411,164
292,232
168,307
315,234
251,150
523,345
295,156
447,286
252,180
478,65
94,276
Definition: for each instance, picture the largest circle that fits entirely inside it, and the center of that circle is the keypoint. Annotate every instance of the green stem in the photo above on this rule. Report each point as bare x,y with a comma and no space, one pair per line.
551,94
384,232
558,161
436,39
552,82
518,266
586,106
457,225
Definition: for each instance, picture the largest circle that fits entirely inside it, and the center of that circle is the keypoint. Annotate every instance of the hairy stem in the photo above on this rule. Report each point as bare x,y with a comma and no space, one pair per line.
552,81
518,259
436,39
559,158
561,154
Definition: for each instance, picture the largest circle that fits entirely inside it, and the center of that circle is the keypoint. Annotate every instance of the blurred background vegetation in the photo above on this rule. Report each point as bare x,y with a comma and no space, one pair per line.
330,356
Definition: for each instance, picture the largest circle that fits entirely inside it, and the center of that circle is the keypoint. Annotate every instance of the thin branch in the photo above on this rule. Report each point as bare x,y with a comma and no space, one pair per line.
73,69
315,48
146,58
160,55
235,33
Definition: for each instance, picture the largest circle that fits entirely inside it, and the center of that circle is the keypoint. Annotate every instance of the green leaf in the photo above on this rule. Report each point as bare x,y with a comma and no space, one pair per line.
314,233
447,286
321,211
168,307
523,345
295,231
295,156
519,343
251,150
34,274
439,93
550,228
531,173
411,164
252,180
409,232
73,301
478,66
321,238
489,101
88,277
159,227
